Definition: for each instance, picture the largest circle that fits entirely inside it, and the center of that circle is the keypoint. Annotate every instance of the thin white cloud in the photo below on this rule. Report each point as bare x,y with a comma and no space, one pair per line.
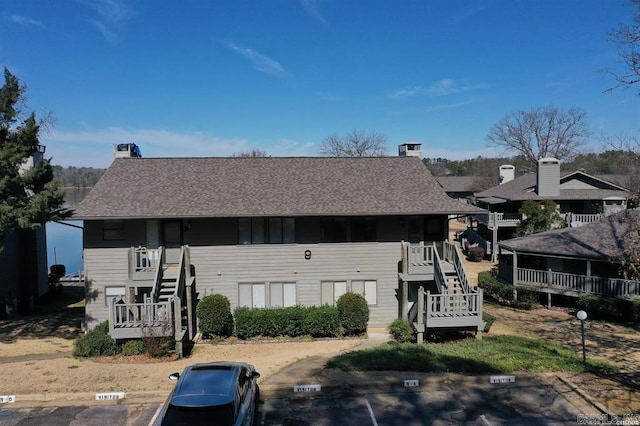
443,87
111,15
312,9
104,30
95,148
258,61
292,148
22,20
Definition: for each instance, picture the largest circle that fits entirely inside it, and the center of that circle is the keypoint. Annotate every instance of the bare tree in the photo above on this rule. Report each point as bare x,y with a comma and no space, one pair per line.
628,163
354,144
627,39
541,132
250,153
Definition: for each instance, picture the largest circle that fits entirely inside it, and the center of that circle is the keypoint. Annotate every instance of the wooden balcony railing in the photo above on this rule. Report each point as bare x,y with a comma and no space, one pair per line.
137,320
574,283
438,311
417,258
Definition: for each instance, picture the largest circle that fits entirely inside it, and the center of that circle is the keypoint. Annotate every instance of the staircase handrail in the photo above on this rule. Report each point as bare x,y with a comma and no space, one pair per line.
438,272
178,292
157,280
453,255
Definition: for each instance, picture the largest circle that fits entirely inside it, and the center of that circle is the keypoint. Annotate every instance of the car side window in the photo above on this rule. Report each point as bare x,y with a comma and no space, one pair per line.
243,384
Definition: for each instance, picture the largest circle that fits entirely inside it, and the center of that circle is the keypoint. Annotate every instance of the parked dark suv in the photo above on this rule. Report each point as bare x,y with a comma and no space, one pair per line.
215,393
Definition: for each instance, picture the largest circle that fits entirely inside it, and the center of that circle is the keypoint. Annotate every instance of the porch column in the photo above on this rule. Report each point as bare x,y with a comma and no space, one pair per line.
589,281
514,278
494,244
405,300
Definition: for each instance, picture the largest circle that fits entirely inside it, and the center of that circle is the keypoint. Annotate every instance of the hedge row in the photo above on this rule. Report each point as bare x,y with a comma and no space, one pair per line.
606,308
495,291
294,321
98,342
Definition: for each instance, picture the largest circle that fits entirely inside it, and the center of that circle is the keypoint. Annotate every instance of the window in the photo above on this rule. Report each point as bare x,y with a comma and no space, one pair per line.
114,294
333,230
331,291
273,230
368,289
282,294
363,229
112,230
252,295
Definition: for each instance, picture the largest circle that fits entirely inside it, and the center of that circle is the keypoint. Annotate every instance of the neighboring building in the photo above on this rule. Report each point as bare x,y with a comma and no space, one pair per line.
23,263
581,198
410,149
572,261
264,232
460,188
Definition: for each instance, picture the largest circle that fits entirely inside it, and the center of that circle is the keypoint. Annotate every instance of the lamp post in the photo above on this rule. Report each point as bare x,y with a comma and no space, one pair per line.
582,315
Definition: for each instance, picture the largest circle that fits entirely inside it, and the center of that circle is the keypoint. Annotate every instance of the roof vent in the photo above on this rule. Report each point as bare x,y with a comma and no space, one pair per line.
126,150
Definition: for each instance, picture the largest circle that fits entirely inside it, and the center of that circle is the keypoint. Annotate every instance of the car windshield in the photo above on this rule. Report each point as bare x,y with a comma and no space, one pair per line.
216,415
213,381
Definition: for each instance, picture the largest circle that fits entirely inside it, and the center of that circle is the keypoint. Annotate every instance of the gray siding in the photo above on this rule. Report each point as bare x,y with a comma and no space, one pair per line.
221,269
220,264
104,267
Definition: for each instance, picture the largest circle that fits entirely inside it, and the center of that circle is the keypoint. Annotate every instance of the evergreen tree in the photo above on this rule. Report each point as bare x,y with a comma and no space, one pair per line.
540,216
28,199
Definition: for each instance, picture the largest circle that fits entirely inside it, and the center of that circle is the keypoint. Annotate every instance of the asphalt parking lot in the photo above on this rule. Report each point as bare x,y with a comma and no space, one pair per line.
530,402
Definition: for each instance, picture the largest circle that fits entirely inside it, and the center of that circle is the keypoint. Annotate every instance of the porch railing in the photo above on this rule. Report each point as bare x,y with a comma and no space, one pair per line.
136,320
417,257
575,219
437,311
604,286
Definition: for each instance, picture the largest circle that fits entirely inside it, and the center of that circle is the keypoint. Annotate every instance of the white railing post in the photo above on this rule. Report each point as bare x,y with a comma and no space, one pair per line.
421,314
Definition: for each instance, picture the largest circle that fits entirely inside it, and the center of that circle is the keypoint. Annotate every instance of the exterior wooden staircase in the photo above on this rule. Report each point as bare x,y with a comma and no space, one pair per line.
456,305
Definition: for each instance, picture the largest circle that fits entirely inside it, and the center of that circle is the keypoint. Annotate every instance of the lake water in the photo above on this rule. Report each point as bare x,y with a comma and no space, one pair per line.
64,240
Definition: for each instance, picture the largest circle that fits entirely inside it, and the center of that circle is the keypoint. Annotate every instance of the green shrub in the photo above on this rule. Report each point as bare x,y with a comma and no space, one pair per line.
133,347
322,321
95,343
158,347
214,316
607,308
354,313
635,306
291,321
103,328
496,291
401,331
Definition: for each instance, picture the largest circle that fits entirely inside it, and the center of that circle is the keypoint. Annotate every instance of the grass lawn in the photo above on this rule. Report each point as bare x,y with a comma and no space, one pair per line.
495,354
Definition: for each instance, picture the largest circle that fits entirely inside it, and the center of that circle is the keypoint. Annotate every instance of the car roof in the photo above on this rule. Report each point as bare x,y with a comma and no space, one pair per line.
207,384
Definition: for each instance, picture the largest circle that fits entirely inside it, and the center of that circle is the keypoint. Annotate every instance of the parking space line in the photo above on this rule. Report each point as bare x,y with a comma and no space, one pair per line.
373,417
154,419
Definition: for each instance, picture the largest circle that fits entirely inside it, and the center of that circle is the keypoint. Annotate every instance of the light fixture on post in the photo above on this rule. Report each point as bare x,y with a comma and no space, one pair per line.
582,315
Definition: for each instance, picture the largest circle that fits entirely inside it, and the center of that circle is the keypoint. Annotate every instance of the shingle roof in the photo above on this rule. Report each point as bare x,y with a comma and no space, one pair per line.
459,183
599,240
291,186
523,188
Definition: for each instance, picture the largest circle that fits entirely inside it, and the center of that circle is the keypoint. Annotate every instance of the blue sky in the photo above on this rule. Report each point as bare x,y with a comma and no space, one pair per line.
209,78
